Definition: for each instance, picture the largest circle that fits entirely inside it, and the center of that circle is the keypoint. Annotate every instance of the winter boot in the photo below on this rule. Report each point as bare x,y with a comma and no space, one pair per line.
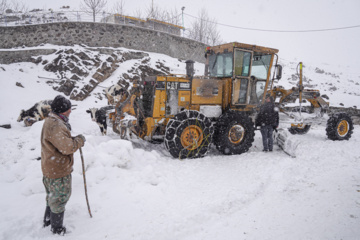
56,220
47,217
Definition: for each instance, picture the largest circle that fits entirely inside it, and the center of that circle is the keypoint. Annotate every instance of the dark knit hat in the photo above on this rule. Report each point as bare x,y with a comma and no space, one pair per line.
60,104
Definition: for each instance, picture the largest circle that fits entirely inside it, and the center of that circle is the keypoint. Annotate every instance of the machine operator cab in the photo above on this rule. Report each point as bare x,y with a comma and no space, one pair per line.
248,67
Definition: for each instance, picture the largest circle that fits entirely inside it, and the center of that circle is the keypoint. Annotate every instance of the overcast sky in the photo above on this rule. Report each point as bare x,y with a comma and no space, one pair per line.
340,47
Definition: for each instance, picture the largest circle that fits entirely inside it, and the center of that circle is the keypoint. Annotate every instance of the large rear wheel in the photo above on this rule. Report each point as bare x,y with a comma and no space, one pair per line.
339,127
188,135
234,133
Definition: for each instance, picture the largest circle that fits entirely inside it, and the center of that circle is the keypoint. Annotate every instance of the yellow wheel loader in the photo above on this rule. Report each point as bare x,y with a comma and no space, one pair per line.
189,113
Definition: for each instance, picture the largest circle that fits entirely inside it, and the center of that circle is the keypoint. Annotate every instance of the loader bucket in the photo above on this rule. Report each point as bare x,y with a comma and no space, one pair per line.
284,140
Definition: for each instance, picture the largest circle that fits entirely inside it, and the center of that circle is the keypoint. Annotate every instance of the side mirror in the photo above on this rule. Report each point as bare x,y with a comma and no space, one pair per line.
278,72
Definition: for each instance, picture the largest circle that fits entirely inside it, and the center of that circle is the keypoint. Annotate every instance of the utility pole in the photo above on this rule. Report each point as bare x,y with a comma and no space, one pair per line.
182,10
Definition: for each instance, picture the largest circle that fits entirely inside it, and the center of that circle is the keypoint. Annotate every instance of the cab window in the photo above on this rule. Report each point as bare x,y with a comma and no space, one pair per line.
242,63
260,65
221,65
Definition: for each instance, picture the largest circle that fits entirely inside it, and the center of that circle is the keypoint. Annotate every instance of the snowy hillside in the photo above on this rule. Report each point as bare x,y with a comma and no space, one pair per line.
342,88
138,191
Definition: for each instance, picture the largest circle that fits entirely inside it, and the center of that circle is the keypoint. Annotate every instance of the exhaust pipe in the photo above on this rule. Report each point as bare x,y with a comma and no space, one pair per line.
190,69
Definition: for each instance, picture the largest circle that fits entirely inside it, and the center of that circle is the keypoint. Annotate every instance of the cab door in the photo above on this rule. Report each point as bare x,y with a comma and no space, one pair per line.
241,78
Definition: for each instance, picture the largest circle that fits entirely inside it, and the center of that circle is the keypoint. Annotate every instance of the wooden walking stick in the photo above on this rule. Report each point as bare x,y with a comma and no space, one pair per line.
83,167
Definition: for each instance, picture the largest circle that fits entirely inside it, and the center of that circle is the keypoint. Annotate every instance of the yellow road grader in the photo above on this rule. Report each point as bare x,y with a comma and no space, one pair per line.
189,112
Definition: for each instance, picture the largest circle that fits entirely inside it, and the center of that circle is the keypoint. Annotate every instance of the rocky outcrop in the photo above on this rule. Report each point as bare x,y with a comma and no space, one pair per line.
80,70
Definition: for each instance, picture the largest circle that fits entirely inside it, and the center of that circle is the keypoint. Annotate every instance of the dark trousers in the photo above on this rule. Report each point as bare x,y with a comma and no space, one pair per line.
267,137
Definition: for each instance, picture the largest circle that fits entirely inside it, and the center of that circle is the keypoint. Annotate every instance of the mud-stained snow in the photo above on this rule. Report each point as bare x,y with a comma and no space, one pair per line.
138,191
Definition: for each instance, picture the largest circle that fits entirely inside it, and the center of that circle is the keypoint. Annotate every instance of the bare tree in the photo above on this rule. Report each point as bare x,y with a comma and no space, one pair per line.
155,12
214,37
94,6
138,13
119,7
18,6
13,6
174,17
3,6
204,29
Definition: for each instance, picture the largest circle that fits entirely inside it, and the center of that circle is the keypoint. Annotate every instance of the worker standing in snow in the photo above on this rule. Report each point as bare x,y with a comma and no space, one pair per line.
57,149
268,120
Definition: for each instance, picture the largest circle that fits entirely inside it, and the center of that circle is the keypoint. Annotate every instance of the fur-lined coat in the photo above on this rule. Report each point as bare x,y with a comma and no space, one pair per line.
57,147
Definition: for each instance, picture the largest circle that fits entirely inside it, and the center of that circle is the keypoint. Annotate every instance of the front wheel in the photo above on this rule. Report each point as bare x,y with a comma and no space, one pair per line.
234,133
339,127
188,135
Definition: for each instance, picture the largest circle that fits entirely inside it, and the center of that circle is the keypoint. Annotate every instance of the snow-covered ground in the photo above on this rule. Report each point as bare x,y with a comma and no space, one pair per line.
138,191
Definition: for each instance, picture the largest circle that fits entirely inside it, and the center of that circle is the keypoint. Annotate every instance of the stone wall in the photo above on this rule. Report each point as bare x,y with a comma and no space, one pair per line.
102,35
8,57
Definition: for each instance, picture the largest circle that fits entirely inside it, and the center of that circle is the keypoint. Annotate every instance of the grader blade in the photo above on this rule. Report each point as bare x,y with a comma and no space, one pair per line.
284,140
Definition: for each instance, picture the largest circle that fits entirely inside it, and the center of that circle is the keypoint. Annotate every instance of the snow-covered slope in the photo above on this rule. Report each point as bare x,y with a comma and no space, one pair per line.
342,88
138,191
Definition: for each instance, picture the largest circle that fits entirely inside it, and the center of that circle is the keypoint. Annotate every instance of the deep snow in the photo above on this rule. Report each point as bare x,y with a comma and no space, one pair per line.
138,191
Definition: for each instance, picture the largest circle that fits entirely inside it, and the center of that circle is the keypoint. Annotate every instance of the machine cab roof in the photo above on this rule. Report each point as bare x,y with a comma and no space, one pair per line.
248,67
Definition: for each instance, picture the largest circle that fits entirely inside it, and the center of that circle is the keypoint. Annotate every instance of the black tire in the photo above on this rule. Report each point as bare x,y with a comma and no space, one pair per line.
234,133
299,130
188,135
339,127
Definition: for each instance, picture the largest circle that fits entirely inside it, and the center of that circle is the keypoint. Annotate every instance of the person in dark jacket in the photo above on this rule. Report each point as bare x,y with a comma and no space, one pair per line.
268,120
57,160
